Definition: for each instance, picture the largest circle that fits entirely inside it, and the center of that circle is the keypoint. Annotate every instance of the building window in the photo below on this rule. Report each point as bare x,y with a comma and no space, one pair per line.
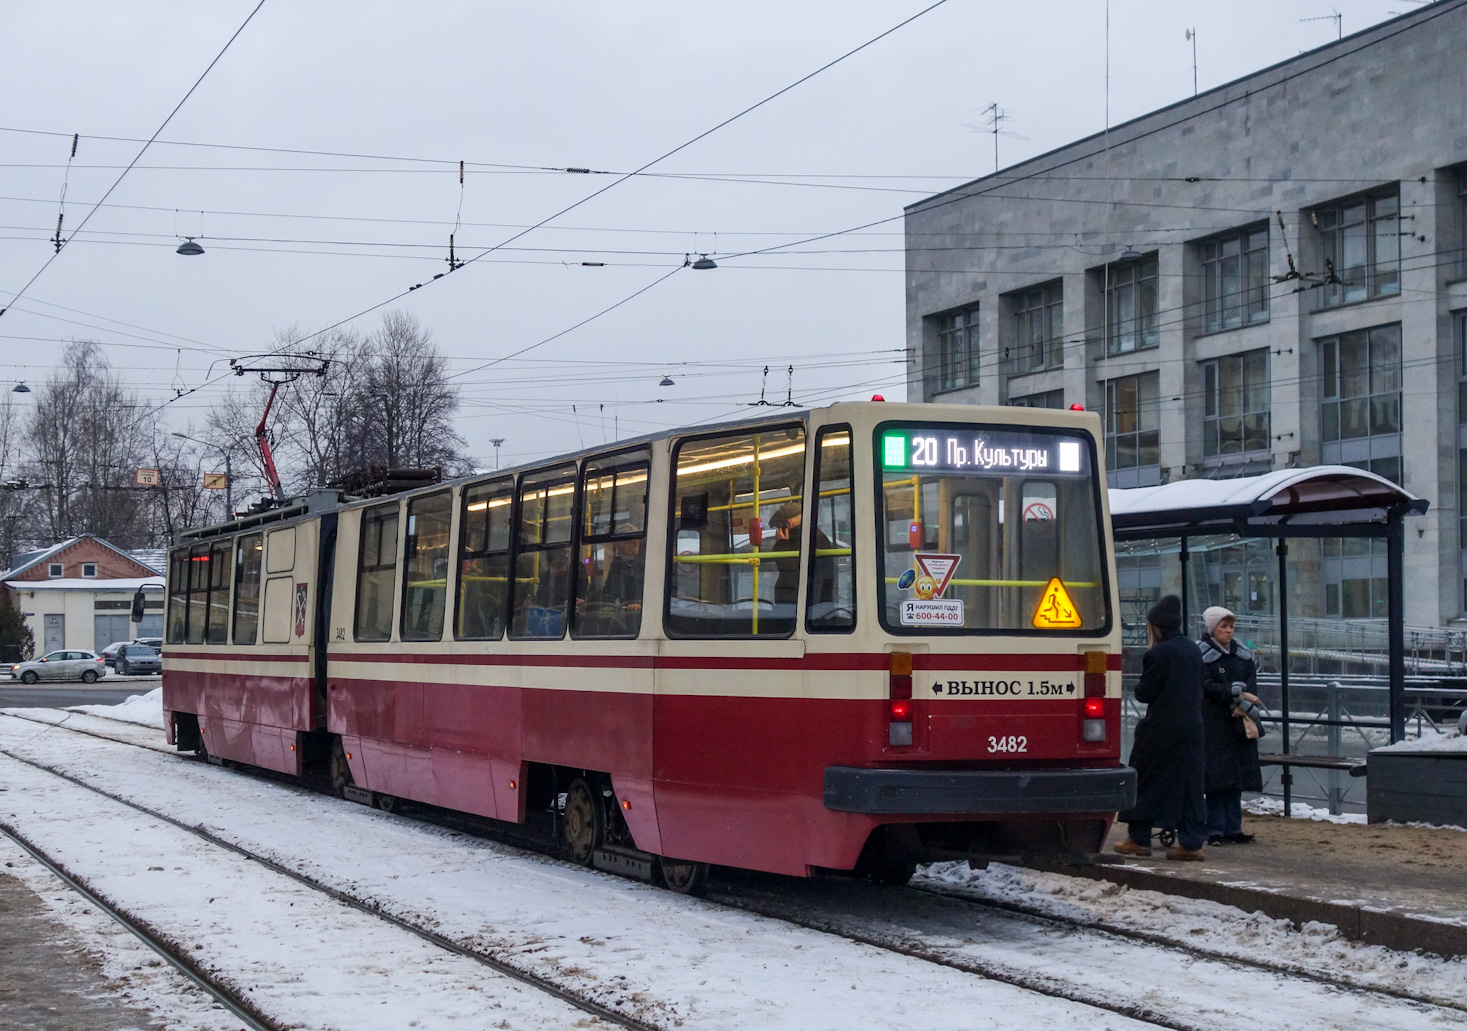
1235,279
1462,222
1235,404
89,570
1039,316
55,570
1132,420
1360,409
1043,399
1131,306
956,362
1355,580
1360,243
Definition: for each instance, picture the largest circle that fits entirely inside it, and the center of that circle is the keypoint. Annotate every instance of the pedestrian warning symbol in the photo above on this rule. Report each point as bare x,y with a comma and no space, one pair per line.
1056,611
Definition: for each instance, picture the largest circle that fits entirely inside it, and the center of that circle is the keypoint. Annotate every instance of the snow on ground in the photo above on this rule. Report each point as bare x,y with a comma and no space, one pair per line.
133,972
646,951
1299,811
699,963
146,709
1429,741
1208,927
298,955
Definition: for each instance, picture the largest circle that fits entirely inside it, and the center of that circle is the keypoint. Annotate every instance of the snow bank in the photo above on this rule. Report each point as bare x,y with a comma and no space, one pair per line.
1299,811
146,709
1429,741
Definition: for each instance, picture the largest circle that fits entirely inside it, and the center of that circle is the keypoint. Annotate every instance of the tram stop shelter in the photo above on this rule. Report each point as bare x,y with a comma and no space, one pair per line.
1330,501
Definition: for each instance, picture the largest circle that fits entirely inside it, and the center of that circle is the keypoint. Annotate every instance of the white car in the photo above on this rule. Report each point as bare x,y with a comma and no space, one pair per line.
71,664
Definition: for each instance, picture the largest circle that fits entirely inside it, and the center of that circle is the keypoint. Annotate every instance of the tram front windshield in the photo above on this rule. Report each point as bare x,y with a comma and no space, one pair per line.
989,529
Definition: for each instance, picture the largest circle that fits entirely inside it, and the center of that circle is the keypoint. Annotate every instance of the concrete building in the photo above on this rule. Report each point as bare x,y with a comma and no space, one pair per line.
1269,274
78,594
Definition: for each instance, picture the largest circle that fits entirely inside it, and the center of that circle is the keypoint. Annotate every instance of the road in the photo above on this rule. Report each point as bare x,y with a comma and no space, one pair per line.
57,696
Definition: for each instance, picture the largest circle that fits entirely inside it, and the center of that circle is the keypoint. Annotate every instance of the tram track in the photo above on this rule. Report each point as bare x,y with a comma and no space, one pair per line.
161,944
788,909
178,958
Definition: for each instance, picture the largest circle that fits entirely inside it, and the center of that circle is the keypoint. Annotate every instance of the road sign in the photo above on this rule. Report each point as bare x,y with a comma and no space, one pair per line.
216,481
1056,611
148,477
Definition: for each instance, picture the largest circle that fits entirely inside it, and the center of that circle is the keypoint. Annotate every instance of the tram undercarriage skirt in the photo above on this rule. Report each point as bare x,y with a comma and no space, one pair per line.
905,792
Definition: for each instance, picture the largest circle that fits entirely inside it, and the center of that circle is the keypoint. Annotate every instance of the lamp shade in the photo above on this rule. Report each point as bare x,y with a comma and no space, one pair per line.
188,247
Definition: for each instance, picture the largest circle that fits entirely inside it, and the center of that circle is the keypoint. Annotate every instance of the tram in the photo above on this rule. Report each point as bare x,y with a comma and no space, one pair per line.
850,638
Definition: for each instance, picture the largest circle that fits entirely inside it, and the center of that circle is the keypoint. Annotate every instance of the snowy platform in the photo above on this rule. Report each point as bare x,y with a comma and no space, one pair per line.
1385,884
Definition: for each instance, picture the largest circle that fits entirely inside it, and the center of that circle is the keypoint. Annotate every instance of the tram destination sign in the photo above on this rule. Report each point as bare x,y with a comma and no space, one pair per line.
981,450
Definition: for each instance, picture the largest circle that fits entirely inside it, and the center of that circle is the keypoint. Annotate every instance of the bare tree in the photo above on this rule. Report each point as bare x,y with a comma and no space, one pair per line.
85,444
405,378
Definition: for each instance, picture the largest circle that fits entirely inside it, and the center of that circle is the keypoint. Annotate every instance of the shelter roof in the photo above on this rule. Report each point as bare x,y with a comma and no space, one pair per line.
1322,494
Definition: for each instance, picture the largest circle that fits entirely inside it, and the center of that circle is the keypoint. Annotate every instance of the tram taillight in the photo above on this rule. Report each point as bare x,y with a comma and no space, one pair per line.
899,700
1093,726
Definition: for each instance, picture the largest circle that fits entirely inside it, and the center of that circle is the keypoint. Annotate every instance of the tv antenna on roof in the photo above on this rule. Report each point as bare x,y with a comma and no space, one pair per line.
1337,18
994,117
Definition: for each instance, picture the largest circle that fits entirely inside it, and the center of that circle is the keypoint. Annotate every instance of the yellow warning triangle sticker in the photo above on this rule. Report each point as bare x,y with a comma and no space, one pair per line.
1056,611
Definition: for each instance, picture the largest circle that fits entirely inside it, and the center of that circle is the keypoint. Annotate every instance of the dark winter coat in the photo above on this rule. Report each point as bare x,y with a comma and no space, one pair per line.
1168,750
1232,758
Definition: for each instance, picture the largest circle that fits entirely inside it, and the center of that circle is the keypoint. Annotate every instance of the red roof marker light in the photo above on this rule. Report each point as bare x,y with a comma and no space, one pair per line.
1077,408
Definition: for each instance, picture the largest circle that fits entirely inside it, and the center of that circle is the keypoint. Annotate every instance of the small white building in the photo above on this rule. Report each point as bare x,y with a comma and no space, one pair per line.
78,594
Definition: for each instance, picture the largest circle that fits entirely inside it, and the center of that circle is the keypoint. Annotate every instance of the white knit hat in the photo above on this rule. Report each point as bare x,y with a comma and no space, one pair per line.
1213,616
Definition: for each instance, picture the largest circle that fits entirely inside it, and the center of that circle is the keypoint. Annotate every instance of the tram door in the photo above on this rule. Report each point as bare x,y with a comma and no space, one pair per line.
732,660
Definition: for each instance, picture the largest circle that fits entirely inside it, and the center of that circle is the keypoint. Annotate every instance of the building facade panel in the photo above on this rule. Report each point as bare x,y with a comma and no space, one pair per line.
1289,216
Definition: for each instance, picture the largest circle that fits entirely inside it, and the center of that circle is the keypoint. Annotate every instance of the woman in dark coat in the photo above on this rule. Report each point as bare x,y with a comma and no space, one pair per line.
1229,693
1168,750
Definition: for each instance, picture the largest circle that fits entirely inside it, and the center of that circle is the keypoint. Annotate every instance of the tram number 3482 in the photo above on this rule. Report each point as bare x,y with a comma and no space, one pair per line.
1012,743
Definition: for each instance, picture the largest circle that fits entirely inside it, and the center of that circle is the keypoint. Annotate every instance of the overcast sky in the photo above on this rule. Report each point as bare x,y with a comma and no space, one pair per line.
305,241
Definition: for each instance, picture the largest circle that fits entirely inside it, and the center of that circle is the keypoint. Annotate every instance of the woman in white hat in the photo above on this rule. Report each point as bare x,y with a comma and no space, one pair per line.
1230,711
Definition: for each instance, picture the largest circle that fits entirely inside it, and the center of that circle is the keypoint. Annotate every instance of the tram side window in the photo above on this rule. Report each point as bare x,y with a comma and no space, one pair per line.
483,565
735,562
830,601
542,569
198,593
425,567
376,573
247,555
217,631
178,570
613,548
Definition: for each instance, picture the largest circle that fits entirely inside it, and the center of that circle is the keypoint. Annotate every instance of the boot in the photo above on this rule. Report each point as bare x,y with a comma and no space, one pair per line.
1238,838
1128,847
1192,855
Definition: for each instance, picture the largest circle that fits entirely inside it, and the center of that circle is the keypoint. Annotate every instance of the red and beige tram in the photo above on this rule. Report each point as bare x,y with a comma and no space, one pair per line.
856,637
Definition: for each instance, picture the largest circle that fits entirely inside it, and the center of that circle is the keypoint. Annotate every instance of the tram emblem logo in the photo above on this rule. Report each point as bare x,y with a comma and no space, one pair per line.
300,610
934,572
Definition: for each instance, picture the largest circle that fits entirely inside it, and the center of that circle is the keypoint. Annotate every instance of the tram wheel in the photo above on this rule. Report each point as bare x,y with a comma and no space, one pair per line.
387,803
683,877
582,825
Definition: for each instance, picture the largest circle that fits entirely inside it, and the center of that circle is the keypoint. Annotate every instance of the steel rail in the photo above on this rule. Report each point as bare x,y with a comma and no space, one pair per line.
485,959
1015,911
177,959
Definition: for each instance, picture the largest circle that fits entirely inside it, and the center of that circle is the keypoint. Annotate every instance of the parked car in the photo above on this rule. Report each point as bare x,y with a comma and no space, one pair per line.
87,667
155,643
109,653
136,659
